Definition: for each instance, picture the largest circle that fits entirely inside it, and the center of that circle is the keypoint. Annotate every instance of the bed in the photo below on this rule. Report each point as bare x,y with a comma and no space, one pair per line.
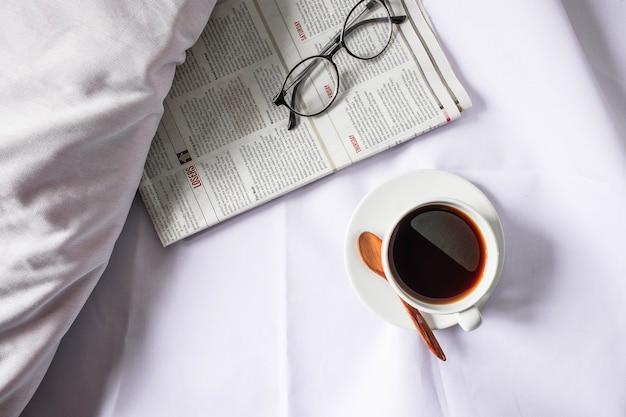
257,315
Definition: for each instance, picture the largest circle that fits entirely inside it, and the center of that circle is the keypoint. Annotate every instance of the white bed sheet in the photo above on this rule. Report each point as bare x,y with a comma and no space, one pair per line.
256,316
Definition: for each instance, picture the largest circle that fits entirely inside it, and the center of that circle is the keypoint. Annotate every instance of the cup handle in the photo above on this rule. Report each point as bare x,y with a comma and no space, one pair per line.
469,319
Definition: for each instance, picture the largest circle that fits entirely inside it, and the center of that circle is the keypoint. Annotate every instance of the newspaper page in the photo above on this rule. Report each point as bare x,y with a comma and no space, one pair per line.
223,147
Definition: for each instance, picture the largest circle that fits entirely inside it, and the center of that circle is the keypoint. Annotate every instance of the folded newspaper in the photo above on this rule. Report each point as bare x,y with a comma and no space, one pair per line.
223,146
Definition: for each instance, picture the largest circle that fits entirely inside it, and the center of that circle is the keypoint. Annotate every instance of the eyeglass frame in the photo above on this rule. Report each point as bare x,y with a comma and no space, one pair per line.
336,43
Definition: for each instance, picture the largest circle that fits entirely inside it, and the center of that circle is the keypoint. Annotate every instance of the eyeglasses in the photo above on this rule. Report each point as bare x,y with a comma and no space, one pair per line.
312,85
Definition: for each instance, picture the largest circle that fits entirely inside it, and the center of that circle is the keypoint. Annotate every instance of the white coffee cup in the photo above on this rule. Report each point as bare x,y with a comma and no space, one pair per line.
442,258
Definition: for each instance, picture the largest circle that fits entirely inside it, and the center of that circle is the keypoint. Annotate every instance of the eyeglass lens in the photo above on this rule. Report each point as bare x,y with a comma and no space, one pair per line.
367,29
311,86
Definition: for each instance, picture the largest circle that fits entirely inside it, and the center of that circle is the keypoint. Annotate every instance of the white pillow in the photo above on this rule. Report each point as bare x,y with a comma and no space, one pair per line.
81,89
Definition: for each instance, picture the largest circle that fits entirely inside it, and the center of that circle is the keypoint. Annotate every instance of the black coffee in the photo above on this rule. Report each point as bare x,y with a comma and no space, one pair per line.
438,253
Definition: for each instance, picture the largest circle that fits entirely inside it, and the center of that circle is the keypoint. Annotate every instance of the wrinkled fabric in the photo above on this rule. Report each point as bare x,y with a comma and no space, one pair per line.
81,91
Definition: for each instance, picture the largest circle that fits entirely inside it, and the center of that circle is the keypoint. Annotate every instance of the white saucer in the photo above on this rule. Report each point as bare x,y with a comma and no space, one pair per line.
376,212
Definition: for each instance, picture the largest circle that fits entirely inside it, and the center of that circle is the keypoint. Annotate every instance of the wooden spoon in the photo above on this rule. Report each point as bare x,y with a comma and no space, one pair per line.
370,250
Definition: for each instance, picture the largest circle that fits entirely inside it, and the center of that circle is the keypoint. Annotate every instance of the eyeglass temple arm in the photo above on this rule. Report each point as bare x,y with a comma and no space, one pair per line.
335,41
396,20
292,122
